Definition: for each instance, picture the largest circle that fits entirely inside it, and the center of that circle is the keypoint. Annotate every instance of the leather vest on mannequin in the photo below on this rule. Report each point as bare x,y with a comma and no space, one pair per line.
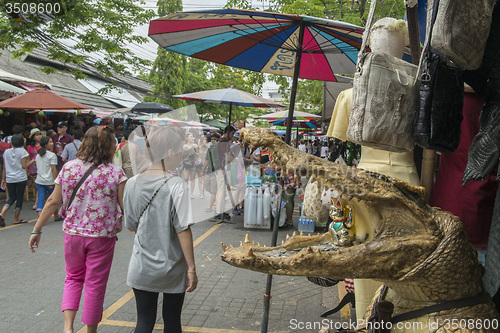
388,36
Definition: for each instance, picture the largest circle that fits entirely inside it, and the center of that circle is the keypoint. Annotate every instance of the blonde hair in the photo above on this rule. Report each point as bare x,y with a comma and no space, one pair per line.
161,140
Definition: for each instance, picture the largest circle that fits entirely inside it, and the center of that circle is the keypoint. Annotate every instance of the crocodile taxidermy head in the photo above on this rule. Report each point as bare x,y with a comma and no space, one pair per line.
420,252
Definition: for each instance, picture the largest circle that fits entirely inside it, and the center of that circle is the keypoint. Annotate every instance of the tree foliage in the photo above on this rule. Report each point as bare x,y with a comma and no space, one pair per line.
97,30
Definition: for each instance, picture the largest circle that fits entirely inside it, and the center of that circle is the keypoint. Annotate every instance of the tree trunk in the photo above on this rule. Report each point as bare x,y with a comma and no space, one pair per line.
362,7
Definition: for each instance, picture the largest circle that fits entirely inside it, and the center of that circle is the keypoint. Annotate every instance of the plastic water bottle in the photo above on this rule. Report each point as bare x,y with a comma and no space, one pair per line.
252,205
259,206
306,225
266,208
310,226
302,226
247,205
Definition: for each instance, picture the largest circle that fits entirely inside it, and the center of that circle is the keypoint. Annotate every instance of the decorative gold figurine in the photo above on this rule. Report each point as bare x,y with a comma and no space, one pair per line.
342,226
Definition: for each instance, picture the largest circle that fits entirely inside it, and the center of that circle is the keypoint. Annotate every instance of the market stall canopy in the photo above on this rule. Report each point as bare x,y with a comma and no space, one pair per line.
283,115
42,99
174,122
6,76
230,96
215,123
4,86
303,124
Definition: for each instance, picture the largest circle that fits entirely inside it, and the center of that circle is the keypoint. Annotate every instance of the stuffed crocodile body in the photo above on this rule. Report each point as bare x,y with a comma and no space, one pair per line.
421,253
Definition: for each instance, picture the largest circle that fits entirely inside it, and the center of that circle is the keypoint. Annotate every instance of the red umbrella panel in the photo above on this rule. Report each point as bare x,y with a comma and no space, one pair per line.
42,99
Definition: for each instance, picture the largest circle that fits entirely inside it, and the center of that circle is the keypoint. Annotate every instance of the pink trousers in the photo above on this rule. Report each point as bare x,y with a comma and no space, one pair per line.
88,262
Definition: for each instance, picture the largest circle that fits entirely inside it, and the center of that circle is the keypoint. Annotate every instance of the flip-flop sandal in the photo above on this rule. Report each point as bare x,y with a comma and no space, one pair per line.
2,222
20,222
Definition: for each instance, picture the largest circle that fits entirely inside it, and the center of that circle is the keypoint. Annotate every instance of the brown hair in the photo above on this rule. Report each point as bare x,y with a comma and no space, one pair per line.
97,145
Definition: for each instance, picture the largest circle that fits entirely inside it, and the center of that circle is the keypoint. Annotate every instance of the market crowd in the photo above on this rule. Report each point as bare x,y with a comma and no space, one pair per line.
98,177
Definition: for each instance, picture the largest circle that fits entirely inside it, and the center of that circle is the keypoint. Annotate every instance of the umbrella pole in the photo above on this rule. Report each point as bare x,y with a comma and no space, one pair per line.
296,72
230,110
295,81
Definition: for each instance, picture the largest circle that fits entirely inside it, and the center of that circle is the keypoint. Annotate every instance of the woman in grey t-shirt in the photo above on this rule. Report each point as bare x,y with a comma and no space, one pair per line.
157,207
14,177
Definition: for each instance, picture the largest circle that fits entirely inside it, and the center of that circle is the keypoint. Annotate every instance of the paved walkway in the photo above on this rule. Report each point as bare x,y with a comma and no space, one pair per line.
227,299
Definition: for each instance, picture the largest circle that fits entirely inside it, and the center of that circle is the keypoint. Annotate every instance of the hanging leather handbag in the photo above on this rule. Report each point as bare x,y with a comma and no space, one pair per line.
461,30
439,116
384,99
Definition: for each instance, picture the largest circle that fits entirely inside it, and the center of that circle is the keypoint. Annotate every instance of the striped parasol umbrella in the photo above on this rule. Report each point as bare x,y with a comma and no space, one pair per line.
282,44
230,96
298,124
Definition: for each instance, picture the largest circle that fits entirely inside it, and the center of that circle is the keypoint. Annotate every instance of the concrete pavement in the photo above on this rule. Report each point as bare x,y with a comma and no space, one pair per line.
227,299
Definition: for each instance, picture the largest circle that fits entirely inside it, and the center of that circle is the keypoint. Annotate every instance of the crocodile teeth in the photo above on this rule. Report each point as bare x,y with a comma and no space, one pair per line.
301,233
309,249
287,237
224,247
247,239
317,251
294,234
250,253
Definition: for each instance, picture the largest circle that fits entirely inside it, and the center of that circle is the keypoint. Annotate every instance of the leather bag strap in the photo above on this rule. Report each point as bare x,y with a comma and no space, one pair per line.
469,301
431,18
366,33
77,187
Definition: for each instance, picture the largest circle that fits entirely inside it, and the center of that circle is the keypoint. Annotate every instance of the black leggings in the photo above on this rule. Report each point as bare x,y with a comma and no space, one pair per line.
16,194
147,304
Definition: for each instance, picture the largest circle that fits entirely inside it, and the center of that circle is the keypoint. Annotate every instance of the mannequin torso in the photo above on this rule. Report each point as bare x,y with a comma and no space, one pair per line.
388,36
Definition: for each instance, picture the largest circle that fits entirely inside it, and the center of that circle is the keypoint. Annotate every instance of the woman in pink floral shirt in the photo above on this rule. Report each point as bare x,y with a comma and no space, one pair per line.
90,225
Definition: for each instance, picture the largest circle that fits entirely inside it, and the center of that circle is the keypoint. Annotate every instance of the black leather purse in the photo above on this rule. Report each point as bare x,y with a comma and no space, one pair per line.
439,116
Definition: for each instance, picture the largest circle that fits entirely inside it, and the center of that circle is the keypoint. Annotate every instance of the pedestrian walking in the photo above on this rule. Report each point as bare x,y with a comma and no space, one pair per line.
14,177
60,141
126,153
90,190
34,145
158,209
70,150
190,161
202,153
222,158
209,179
16,129
324,150
46,162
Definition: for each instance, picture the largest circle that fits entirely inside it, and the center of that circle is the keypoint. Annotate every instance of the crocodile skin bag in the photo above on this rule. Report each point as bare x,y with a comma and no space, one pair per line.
439,117
461,30
384,100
